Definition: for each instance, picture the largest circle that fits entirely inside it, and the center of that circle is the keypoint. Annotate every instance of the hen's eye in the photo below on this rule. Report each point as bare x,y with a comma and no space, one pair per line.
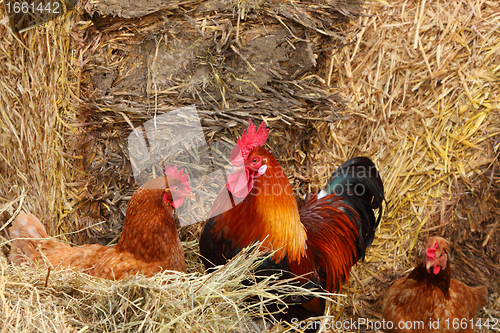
176,188
255,160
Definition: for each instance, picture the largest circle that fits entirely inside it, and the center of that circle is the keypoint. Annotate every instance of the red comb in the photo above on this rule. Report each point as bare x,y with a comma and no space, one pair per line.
174,173
249,140
431,252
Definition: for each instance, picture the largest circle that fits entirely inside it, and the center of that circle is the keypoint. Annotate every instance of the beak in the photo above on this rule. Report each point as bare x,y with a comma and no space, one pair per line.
237,169
190,196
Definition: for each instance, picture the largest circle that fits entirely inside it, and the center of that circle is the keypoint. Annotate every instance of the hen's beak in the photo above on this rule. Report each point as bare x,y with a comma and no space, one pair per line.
190,196
237,169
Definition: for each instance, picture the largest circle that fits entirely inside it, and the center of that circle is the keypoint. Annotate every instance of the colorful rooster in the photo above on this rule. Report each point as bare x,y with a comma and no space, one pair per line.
319,241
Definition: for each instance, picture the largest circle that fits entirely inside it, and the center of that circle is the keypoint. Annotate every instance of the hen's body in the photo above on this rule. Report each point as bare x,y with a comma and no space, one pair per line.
149,242
423,298
319,241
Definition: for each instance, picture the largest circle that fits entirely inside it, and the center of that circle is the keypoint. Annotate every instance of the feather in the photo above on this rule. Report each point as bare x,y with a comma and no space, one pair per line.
319,242
149,242
432,296
358,182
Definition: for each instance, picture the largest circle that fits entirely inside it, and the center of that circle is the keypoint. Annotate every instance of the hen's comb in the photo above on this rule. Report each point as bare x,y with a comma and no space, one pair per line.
249,140
431,252
174,173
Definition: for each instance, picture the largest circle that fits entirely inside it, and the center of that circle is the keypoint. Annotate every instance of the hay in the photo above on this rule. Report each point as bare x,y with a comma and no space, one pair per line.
421,79
36,91
135,69
34,299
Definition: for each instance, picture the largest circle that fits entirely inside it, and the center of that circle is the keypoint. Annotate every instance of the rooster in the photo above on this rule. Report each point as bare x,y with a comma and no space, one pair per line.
149,242
318,242
430,298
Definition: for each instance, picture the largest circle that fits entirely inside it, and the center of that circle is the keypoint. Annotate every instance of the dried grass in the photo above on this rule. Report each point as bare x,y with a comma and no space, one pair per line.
68,301
422,80
36,103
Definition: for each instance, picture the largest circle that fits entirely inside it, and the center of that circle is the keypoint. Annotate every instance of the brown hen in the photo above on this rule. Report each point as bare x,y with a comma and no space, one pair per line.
429,300
149,242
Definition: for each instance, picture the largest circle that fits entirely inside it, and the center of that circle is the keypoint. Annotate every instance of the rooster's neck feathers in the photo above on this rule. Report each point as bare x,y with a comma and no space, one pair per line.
272,208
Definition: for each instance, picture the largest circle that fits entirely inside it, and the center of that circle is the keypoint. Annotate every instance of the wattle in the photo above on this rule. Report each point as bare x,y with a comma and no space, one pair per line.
178,202
240,183
435,269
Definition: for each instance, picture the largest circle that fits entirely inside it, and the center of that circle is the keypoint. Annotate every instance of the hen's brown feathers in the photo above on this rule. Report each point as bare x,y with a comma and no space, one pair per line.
28,229
149,242
411,300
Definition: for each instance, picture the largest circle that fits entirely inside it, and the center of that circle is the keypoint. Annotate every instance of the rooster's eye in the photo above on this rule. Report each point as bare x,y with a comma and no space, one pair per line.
255,160
176,188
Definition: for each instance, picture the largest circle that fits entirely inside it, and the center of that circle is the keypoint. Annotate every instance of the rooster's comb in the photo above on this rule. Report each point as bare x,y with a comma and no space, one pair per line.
249,140
174,173
431,251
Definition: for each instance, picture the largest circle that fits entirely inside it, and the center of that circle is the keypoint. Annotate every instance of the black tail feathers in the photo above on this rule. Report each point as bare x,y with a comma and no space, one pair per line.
358,181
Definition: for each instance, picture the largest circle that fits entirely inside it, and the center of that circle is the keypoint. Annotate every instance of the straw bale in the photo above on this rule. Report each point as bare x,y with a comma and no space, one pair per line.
36,104
130,9
241,60
62,301
411,84
422,77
